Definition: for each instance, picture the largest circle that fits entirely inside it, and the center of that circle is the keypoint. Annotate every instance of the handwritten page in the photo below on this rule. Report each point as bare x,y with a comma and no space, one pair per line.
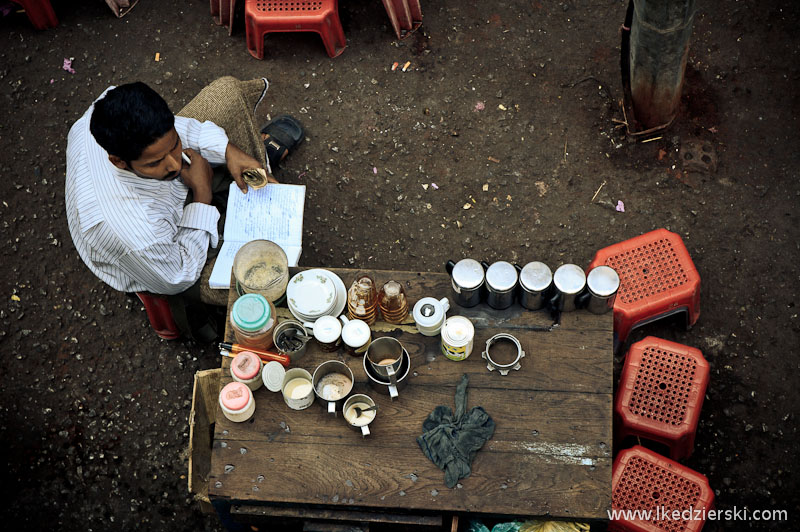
274,213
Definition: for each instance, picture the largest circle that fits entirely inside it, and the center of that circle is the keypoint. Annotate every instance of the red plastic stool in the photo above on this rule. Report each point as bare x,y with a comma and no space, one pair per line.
660,394
405,16
676,498
40,13
657,279
160,315
321,16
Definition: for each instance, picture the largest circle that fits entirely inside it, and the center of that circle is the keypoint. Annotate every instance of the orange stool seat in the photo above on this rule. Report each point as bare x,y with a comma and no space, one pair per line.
657,494
657,279
660,394
320,16
160,315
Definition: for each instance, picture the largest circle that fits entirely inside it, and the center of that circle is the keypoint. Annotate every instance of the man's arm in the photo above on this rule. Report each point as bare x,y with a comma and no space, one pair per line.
171,266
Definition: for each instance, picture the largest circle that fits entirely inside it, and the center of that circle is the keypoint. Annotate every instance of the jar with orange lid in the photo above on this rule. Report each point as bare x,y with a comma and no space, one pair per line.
253,320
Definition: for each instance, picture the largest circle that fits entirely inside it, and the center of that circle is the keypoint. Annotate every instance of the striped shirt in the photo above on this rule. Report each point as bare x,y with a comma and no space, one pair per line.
135,234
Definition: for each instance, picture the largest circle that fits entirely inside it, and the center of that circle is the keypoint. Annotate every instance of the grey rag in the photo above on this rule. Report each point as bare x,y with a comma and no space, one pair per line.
451,442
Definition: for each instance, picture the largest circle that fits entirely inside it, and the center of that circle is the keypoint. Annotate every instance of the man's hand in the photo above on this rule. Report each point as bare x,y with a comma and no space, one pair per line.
238,161
197,176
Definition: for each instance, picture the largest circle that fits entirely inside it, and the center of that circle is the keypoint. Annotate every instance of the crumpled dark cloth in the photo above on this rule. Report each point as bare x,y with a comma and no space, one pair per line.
451,442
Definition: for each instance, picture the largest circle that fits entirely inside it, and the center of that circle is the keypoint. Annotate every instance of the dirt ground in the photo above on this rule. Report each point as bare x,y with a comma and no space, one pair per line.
507,107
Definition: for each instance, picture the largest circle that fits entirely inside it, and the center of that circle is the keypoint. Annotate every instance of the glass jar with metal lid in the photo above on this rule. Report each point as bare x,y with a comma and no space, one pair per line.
467,279
569,280
501,284
535,280
253,320
603,283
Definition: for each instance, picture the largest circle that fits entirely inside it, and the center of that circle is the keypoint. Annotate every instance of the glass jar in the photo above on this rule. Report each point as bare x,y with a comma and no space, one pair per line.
253,320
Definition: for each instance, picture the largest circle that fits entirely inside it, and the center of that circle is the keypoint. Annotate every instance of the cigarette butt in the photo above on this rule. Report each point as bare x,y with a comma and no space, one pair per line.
395,65
494,160
405,67
158,56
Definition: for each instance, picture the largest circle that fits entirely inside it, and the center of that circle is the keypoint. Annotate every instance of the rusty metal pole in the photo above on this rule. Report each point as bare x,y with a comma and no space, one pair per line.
659,45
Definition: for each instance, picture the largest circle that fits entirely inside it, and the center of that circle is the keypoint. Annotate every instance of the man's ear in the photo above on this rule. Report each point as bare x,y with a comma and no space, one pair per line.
119,163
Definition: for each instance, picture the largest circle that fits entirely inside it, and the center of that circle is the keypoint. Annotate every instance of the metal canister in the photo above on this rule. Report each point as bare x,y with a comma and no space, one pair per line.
458,335
535,280
569,281
467,278
603,283
501,284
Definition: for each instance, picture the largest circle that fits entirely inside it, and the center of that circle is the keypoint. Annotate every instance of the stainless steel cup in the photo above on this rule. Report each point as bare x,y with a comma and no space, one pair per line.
382,384
467,278
535,282
385,356
340,385
360,423
501,284
569,281
603,283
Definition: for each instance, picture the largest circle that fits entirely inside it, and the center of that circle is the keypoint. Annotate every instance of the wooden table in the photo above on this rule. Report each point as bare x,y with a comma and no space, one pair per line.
550,453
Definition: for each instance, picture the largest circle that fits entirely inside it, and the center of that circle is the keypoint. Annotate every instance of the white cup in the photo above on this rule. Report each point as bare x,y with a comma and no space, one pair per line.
356,335
429,314
327,331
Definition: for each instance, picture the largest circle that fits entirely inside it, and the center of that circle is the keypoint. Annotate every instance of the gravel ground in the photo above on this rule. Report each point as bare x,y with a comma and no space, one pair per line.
507,108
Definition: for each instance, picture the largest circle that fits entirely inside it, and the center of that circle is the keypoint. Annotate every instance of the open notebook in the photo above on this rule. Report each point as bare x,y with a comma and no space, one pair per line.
274,213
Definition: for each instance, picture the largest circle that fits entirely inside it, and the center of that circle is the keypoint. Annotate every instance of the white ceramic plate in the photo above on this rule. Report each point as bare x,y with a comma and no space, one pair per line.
311,293
341,294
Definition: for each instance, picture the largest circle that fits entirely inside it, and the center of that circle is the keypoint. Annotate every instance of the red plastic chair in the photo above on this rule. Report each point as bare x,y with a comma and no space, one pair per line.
320,16
405,15
222,12
657,279
657,494
660,394
40,13
160,315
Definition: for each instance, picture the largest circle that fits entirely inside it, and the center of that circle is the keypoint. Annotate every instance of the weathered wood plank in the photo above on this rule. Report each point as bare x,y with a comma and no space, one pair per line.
368,475
305,512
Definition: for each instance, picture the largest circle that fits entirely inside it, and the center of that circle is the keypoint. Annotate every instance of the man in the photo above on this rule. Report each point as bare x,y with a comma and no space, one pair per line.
140,216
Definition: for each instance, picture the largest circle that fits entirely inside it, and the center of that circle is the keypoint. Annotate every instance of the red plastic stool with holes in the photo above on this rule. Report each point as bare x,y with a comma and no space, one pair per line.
321,16
160,315
40,13
657,279
677,498
660,394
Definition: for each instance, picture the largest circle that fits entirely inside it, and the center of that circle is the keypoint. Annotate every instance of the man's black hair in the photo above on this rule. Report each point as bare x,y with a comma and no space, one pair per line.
130,118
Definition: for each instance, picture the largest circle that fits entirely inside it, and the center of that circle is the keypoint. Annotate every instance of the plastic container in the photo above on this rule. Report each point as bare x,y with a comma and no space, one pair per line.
458,335
253,320
236,401
246,368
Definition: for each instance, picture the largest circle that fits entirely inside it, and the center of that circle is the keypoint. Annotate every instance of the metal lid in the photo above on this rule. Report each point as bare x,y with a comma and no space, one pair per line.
272,375
603,281
501,276
251,312
569,279
428,312
536,276
468,274
355,333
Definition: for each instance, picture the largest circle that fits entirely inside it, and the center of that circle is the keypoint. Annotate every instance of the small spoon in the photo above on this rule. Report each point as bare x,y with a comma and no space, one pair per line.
360,410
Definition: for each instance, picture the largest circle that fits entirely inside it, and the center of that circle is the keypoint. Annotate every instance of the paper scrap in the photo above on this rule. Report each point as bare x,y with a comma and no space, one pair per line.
620,206
485,187
68,65
467,206
158,57
480,106
435,186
